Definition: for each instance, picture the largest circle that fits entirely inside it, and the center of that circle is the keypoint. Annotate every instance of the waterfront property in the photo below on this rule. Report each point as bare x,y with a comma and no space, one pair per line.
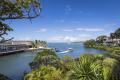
114,42
15,46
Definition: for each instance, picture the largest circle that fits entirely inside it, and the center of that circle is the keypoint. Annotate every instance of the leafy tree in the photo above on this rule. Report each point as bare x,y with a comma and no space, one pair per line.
45,52
112,36
16,9
117,33
4,29
46,57
2,77
101,39
90,43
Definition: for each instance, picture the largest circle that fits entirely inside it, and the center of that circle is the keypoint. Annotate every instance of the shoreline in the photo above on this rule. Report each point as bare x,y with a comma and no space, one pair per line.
22,50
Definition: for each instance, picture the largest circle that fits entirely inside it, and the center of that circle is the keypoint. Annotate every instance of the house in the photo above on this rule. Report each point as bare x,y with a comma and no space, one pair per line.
109,41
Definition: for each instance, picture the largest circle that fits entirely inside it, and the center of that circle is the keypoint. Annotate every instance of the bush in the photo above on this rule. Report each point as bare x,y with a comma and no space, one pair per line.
87,68
45,52
2,77
45,73
45,57
116,52
90,43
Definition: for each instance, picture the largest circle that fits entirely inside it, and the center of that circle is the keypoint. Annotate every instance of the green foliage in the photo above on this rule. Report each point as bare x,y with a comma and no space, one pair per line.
16,9
4,29
87,68
111,69
45,57
39,43
2,77
101,39
43,53
66,63
112,36
90,43
117,33
116,52
45,73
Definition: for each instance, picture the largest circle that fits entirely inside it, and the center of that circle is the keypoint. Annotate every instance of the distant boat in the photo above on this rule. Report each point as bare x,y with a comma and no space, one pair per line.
67,51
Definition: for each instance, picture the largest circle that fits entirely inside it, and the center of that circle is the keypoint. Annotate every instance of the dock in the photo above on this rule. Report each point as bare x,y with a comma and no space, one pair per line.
20,50
11,52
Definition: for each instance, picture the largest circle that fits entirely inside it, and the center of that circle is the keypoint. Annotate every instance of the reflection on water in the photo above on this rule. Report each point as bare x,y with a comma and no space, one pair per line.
14,65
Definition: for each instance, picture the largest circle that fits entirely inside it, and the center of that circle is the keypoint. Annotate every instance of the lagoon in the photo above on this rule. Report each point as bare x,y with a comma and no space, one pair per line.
14,65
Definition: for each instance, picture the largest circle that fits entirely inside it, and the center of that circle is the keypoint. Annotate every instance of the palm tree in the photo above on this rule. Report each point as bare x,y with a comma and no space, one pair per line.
38,43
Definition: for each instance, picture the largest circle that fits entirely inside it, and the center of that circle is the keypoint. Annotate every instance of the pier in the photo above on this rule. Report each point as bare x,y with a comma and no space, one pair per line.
11,52
13,47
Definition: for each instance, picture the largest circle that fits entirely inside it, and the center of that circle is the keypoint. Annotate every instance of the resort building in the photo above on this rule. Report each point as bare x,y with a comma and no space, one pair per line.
109,41
15,45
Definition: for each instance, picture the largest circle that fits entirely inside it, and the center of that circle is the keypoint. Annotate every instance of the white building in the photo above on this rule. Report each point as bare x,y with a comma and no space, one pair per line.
110,41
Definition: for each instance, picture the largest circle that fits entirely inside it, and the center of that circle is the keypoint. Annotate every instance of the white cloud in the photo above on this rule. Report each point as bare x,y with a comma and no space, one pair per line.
90,29
84,29
81,37
42,30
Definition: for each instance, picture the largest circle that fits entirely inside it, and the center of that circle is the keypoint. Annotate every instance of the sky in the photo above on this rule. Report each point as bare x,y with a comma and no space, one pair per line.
69,20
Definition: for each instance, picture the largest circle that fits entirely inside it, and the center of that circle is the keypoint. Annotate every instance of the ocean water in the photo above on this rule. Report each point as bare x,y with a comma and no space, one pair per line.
14,65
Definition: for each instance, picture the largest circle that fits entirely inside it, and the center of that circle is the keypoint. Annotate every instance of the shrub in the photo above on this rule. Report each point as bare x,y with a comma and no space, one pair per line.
45,73
90,43
111,69
116,52
2,77
46,57
86,69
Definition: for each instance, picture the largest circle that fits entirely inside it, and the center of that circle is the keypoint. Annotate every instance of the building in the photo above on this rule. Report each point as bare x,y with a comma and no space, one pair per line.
15,45
109,41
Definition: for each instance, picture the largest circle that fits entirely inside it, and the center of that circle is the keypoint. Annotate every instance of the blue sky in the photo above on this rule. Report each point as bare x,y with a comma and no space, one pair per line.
69,20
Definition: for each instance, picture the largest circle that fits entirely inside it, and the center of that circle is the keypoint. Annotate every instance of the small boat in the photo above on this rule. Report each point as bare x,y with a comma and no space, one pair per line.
67,51
70,49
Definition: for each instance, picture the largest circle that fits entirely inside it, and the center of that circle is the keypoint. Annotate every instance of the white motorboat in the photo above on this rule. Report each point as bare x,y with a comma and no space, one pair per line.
67,51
